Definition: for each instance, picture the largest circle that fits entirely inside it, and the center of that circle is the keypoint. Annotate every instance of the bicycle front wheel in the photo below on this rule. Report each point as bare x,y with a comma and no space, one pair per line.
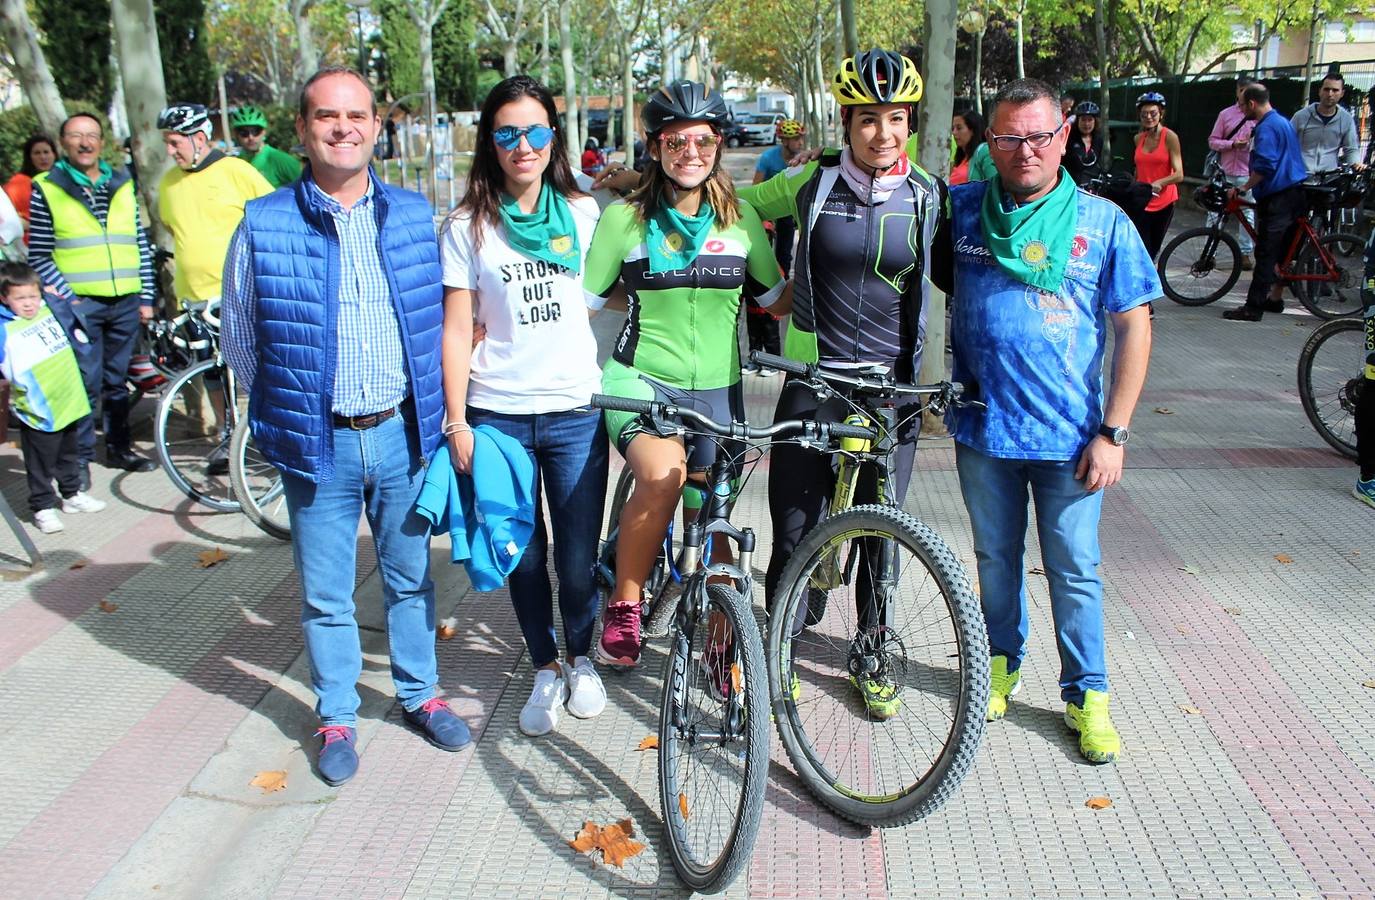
1199,266
1331,379
1340,295
196,415
879,705
714,741
257,484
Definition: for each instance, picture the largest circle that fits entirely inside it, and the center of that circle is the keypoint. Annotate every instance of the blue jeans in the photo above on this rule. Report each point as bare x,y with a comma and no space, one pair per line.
995,493
377,473
113,327
570,454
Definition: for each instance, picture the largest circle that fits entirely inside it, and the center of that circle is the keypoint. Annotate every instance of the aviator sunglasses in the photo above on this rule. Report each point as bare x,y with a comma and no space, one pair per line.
537,136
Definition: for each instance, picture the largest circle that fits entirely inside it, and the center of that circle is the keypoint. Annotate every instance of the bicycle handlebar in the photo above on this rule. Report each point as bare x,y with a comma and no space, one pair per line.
808,429
944,393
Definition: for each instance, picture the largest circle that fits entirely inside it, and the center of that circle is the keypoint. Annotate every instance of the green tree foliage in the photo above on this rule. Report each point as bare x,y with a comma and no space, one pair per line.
183,44
455,64
76,42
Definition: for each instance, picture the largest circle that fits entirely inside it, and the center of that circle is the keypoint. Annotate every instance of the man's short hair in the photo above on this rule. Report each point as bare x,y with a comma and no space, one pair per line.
1245,81
1028,90
1256,93
1334,76
329,71
61,131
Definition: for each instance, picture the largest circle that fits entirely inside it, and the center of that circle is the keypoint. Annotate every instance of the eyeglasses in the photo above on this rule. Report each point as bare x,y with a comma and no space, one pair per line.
84,135
537,136
1010,143
251,131
677,143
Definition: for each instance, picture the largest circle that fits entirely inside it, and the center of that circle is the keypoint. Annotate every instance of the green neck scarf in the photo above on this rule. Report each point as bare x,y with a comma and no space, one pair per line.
673,240
1032,241
80,177
547,233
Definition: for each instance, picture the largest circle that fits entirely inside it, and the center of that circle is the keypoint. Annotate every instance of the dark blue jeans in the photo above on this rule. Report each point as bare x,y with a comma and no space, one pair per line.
112,325
570,454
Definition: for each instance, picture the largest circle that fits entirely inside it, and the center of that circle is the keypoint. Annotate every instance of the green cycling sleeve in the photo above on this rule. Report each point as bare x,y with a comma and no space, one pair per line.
618,231
776,198
763,278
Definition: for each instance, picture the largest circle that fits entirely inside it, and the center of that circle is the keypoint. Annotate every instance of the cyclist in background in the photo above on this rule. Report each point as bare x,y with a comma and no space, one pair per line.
1327,130
1084,153
684,248
868,219
201,201
966,133
249,124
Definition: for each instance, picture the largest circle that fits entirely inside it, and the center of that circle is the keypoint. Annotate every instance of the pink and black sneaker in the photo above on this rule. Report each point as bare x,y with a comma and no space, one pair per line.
620,643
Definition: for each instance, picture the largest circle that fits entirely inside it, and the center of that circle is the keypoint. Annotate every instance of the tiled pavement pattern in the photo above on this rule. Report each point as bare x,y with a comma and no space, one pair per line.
129,736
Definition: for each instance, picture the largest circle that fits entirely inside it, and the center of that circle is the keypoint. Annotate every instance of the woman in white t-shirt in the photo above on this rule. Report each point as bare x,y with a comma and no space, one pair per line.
513,253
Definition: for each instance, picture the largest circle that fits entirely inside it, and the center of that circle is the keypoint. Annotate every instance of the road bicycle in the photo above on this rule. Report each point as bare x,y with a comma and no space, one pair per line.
1331,379
1324,272
713,727
873,595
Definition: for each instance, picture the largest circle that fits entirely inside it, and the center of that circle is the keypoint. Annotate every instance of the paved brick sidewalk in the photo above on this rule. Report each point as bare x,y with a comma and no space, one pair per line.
129,736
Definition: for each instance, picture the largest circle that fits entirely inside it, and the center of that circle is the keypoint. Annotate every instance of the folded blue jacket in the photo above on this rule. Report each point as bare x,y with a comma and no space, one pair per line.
489,514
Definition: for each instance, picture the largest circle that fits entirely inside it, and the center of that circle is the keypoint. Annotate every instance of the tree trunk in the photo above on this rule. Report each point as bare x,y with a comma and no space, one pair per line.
140,64
851,30
30,67
224,108
544,46
1021,49
509,63
628,90
570,83
1100,38
307,57
978,72
933,125
426,33
1311,61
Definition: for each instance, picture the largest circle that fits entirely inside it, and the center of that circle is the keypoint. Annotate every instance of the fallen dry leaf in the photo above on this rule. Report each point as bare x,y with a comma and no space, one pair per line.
108,606
208,558
1183,630
1036,570
649,743
1284,559
1188,570
1370,683
1190,710
1098,803
614,841
1232,610
446,632
79,564
682,806
270,782
1164,411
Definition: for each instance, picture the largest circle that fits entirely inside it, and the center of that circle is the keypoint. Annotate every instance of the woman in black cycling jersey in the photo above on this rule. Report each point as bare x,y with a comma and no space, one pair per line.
868,220
1084,151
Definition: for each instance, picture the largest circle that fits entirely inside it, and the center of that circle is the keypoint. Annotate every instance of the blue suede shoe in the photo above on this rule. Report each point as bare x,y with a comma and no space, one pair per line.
338,760
439,724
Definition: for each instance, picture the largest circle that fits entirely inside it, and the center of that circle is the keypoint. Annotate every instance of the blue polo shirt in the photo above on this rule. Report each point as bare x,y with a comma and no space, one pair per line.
1275,155
1036,358
771,162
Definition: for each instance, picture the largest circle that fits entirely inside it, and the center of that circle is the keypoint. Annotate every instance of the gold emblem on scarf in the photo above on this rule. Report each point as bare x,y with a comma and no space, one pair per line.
1036,255
561,245
673,242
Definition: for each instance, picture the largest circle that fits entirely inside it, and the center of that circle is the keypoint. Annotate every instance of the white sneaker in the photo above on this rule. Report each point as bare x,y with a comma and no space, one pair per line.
81,502
586,695
47,521
541,712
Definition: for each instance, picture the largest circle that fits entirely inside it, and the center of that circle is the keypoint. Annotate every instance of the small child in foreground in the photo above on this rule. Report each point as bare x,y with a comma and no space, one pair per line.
47,396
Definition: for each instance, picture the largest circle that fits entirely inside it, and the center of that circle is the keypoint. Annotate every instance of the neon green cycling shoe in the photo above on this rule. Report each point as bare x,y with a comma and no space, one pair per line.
1001,687
1098,740
880,695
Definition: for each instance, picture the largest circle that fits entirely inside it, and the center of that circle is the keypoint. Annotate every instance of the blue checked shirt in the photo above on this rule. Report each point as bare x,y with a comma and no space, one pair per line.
370,374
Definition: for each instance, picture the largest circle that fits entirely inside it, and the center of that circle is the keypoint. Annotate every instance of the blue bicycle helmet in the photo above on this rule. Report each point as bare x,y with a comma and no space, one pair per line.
1151,97
1087,108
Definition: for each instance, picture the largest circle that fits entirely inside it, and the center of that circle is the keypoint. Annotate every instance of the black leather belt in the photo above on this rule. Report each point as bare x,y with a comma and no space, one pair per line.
363,423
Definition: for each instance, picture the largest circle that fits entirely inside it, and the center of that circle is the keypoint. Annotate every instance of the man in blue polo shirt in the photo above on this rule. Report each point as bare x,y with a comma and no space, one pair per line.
1276,179
1041,269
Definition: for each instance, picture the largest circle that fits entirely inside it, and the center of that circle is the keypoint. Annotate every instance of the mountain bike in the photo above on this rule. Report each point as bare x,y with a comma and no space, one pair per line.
713,727
1331,379
872,594
1324,272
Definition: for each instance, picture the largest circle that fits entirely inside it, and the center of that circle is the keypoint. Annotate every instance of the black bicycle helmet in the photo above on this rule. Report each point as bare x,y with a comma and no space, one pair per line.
877,76
185,118
683,101
1087,108
1151,97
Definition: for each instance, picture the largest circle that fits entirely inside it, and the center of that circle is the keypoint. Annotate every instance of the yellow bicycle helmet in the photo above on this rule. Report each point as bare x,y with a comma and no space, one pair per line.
877,76
790,128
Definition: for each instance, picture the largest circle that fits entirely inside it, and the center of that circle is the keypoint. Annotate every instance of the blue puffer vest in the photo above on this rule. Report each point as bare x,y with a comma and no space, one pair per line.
296,271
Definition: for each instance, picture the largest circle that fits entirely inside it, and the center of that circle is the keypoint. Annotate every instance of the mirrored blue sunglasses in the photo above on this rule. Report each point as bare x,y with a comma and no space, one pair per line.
537,136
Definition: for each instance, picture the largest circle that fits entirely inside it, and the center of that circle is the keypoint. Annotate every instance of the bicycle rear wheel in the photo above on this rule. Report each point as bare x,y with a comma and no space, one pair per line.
1340,296
880,705
714,741
257,484
1331,380
1199,266
191,445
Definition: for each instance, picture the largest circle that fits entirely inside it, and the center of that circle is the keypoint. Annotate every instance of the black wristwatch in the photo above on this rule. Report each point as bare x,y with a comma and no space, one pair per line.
1115,434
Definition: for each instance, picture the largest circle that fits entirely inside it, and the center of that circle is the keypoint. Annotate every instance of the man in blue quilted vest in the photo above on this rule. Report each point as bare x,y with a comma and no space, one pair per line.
332,313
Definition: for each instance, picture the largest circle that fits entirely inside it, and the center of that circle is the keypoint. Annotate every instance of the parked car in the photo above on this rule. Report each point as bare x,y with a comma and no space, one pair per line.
759,128
735,135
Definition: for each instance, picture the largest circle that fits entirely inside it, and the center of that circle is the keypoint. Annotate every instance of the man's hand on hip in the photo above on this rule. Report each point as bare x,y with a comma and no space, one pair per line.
1100,465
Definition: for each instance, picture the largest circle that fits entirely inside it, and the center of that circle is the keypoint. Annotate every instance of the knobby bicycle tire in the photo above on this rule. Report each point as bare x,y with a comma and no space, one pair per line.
1326,299
1196,262
680,799
965,731
1332,415
208,494
251,496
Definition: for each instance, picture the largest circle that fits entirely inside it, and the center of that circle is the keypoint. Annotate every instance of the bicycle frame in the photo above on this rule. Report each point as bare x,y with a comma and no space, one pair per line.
1303,231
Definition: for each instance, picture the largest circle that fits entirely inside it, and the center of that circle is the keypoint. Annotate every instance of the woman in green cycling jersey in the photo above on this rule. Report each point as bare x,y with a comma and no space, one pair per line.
871,240
683,248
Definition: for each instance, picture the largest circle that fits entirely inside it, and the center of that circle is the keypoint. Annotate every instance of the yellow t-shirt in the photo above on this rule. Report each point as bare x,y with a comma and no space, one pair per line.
202,208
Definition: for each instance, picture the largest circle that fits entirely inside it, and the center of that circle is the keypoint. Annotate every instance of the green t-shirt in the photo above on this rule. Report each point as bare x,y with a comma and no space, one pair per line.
680,326
277,167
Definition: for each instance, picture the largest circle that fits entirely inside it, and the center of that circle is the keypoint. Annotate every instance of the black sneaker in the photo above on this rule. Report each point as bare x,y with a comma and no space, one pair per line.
1243,314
